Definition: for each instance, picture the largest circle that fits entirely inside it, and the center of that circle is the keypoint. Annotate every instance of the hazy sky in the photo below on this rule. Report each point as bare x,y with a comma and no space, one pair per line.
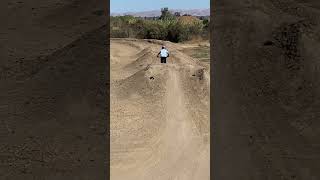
120,6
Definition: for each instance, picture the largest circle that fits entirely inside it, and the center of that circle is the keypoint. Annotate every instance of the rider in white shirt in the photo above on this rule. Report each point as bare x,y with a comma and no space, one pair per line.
164,53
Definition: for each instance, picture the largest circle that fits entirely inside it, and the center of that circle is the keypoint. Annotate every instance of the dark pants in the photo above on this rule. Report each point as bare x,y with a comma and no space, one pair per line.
163,60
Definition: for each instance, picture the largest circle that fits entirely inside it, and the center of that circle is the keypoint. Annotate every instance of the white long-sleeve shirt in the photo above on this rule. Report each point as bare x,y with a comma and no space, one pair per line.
164,53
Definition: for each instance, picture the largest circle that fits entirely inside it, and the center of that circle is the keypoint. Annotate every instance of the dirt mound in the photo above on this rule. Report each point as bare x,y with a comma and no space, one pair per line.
52,120
143,58
39,28
266,89
159,115
188,20
146,82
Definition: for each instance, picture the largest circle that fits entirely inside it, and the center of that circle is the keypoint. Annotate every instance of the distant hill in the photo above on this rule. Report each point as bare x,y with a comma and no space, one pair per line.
154,13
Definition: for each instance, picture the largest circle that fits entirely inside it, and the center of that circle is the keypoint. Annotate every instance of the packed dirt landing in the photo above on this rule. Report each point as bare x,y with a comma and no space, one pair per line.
159,113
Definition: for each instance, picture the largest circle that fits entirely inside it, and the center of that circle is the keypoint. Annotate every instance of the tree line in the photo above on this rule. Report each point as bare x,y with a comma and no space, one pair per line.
169,26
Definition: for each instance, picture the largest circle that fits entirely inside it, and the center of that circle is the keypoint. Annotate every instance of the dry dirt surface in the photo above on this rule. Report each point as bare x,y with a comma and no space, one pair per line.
266,90
53,90
159,113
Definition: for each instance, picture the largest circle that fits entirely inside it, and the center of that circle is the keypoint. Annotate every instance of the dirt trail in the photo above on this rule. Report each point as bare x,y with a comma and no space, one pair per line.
153,134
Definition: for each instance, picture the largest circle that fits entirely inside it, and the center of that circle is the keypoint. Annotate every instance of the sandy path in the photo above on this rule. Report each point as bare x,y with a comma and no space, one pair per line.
173,148
180,144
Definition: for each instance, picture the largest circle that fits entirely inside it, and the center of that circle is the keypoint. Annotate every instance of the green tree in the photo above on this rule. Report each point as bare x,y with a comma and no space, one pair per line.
195,28
178,32
166,14
177,14
205,23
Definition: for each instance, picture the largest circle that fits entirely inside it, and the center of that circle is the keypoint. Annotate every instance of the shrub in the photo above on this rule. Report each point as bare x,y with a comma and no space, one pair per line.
177,32
155,30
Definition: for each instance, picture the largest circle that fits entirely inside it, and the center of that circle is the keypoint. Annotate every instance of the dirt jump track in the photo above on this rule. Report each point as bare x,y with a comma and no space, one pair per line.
159,113
265,86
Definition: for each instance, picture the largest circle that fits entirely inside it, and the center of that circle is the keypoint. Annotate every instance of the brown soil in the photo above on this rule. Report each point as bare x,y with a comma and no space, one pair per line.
159,113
